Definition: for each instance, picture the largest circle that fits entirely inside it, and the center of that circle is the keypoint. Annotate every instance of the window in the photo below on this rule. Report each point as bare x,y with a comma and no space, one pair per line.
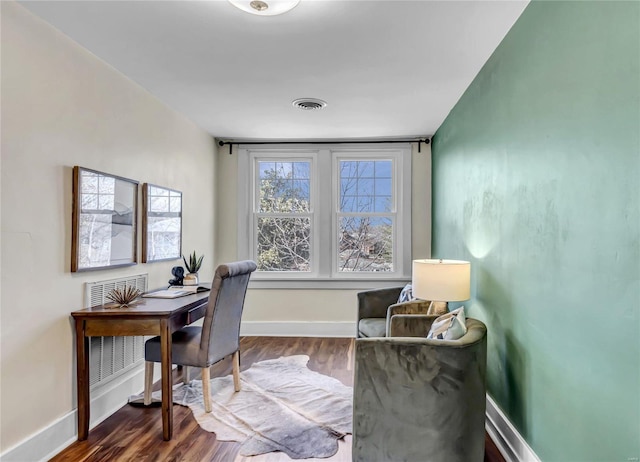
283,216
325,213
365,216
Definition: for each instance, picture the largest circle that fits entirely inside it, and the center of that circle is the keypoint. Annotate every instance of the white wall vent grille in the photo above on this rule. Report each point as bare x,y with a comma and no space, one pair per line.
110,357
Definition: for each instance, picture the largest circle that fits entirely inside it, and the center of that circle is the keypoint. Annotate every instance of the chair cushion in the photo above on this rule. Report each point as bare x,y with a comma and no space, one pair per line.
450,326
372,327
407,294
185,348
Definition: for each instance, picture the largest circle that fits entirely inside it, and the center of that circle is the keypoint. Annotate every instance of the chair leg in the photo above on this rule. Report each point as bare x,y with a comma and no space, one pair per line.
236,370
205,389
185,375
148,381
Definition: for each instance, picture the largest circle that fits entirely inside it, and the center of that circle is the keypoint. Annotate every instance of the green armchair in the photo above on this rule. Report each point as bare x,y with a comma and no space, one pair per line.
419,400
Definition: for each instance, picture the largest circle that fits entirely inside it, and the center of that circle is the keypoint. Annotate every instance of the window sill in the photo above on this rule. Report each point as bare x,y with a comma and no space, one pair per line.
326,284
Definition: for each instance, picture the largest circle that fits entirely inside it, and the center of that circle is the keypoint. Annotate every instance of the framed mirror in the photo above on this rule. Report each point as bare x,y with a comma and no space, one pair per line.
161,223
104,220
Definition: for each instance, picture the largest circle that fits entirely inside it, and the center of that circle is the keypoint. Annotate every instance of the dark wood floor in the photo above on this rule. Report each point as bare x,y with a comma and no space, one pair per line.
135,433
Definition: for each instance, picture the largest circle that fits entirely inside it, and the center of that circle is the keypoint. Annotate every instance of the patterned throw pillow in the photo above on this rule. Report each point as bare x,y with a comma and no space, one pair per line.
406,295
450,326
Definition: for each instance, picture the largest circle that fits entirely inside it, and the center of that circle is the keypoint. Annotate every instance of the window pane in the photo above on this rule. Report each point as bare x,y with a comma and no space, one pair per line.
383,204
365,169
301,189
365,204
383,169
365,244
348,186
383,187
348,169
365,186
284,244
361,182
349,204
266,169
284,169
279,192
301,170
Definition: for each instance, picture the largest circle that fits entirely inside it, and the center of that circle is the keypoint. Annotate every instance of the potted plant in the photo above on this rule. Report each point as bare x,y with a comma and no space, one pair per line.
193,265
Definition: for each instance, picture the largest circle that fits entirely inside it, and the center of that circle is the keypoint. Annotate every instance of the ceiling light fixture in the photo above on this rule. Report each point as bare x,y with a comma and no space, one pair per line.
308,104
265,7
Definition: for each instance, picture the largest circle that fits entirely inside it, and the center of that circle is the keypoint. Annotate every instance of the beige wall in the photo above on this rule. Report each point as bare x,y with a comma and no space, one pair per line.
310,305
62,107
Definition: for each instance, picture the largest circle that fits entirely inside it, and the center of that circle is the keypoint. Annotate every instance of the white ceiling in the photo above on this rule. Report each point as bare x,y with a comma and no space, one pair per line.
387,69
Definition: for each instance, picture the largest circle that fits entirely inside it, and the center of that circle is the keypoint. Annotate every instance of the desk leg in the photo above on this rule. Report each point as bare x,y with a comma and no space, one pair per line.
82,380
167,382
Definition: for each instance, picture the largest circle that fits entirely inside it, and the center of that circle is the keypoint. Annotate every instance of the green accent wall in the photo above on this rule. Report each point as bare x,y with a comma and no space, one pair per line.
536,180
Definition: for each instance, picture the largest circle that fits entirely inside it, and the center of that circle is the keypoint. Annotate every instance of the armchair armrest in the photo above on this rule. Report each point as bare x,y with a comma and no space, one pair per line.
424,307
409,325
411,307
374,303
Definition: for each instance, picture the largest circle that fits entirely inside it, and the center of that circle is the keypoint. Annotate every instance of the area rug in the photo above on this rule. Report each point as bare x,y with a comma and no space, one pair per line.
282,406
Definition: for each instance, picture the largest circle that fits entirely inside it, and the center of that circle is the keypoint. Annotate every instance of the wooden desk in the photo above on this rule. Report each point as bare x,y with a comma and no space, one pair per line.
149,316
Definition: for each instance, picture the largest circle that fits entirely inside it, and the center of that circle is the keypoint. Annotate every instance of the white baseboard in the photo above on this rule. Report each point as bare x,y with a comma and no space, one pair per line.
510,443
298,329
58,435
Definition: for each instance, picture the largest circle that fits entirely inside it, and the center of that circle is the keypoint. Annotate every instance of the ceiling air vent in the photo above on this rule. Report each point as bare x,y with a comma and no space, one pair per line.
308,104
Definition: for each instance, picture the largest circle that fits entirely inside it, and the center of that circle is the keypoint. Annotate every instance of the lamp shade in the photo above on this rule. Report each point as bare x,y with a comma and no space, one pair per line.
441,280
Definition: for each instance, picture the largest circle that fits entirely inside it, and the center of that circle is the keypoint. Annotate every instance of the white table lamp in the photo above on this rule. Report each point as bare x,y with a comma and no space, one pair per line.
441,280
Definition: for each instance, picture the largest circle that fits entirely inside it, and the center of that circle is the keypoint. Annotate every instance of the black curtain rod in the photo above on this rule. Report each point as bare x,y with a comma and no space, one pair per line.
417,140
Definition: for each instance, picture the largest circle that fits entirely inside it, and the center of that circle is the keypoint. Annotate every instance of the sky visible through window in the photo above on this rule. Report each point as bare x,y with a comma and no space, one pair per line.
366,186
285,186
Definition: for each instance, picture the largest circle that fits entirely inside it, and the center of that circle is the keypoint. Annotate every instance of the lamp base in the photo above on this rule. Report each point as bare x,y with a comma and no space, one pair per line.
438,308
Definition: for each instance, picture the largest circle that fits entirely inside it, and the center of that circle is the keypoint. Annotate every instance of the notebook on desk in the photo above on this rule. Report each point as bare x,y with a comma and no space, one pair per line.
190,289
167,293
176,291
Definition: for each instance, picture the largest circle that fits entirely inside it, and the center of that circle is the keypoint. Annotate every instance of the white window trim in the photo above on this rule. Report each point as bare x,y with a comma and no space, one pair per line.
324,274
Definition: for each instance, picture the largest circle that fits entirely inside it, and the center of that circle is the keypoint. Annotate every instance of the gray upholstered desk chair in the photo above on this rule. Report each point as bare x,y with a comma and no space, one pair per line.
219,335
417,400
